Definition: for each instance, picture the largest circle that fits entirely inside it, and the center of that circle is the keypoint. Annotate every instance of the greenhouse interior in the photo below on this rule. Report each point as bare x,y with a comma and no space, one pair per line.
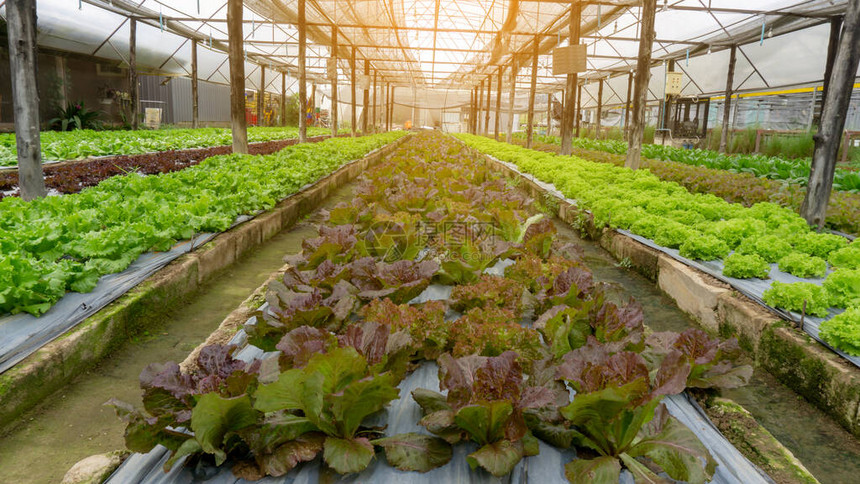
426,241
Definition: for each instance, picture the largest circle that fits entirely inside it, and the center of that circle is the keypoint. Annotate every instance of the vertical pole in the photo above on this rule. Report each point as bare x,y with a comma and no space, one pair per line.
237,76
498,120
386,99
480,104
571,113
352,119
643,75
195,93
21,25
312,105
599,108
513,96
832,46
366,111
489,103
375,90
261,96
133,85
627,107
666,114
471,128
303,88
833,114
391,109
334,82
283,98
727,106
549,114
578,109
530,129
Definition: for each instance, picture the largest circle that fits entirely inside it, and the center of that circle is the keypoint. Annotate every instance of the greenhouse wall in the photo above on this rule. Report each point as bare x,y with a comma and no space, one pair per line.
66,78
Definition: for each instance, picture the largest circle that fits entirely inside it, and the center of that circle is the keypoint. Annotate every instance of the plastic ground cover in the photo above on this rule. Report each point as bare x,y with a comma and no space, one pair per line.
752,288
23,334
403,415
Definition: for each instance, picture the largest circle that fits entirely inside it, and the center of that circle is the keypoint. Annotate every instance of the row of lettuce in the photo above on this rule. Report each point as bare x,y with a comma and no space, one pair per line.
344,328
794,172
79,144
57,244
843,211
702,226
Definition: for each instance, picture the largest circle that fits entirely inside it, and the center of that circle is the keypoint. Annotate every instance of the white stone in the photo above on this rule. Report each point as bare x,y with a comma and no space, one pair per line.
94,469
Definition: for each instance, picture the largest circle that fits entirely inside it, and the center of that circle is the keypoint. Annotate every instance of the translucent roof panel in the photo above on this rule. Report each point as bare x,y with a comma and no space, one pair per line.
455,45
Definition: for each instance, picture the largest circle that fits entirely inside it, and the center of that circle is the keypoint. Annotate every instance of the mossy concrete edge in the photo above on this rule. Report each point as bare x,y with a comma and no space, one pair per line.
759,445
55,364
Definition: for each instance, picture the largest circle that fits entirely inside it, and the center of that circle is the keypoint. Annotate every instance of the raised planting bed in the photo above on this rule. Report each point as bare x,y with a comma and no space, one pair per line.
843,213
790,171
99,331
437,266
74,176
58,146
829,380
56,244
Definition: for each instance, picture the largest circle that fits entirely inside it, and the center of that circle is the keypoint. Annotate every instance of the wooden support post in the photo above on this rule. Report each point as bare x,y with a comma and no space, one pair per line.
530,128
333,114
472,95
303,77
391,109
366,111
353,121
133,84
666,109
627,107
21,27
312,105
236,55
385,100
570,113
498,119
827,139
375,90
489,103
195,93
549,114
832,46
643,76
598,120
261,97
513,96
727,106
578,109
478,113
283,98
